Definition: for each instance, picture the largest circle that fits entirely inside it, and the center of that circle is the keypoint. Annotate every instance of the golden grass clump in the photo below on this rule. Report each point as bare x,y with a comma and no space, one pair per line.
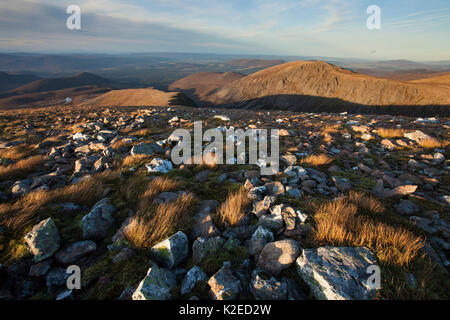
131,161
120,144
430,143
233,209
316,160
331,128
154,188
21,168
388,133
157,223
141,133
16,152
341,222
20,213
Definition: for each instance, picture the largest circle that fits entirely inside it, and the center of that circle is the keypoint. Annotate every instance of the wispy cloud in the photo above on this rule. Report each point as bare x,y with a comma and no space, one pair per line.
300,27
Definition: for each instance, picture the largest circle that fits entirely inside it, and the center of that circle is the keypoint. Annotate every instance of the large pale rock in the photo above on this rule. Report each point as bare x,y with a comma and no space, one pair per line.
159,166
279,255
43,240
337,273
224,285
99,220
156,285
171,251
417,136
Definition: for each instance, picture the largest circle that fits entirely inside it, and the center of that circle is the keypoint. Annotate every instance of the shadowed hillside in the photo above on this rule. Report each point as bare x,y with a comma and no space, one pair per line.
79,80
200,85
11,81
140,98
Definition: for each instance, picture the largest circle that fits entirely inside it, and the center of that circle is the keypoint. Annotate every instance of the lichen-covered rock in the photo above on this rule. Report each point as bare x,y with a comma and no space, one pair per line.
264,286
157,285
171,251
43,240
337,273
75,252
192,277
271,221
279,255
99,220
224,285
203,247
263,233
147,149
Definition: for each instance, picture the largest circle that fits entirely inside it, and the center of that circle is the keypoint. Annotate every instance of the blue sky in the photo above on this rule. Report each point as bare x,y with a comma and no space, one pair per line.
410,29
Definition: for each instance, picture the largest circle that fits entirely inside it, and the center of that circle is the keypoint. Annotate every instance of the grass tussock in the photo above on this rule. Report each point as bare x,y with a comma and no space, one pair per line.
316,160
120,144
20,214
430,143
141,133
157,223
233,209
342,222
131,161
21,168
389,133
17,152
330,129
154,188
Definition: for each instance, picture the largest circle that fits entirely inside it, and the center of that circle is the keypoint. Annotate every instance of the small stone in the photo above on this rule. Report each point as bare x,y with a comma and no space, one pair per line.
40,269
75,252
342,184
406,207
204,247
57,277
224,285
192,277
99,220
265,287
279,255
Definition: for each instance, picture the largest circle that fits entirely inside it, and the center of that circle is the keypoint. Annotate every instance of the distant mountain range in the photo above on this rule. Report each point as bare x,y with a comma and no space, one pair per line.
315,86
55,90
266,84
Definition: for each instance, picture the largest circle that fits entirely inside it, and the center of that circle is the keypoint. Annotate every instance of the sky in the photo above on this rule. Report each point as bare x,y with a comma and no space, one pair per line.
410,29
